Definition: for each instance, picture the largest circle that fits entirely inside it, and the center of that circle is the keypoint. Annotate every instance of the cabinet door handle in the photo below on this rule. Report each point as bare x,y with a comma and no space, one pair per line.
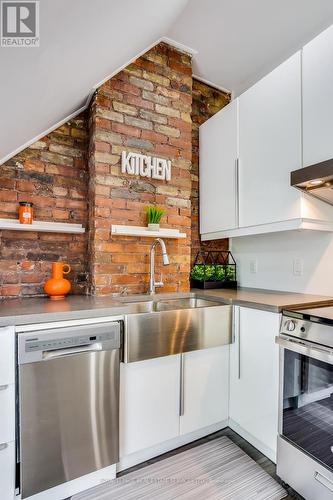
3,446
239,343
237,191
324,481
3,387
181,389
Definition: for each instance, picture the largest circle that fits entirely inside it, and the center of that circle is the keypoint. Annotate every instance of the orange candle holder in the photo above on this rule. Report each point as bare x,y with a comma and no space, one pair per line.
58,287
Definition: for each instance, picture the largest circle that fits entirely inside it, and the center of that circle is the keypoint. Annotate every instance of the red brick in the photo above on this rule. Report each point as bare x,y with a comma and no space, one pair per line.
102,146
7,183
126,129
154,136
102,123
177,220
26,186
10,290
34,165
8,196
139,102
126,87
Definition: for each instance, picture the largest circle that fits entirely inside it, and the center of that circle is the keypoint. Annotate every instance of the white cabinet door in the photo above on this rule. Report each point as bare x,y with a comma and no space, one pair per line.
7,413
149,403
270,146
254,374
218,186
317,71
7,355
7,471
205,388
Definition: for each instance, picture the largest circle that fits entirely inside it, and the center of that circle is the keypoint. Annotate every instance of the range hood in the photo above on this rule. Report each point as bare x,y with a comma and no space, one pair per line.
316,180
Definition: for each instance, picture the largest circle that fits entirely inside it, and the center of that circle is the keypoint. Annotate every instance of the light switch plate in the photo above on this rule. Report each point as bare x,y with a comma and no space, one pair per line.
298,266
253,266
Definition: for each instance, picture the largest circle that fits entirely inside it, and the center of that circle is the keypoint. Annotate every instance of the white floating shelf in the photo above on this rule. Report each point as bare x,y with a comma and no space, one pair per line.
118,230
46,227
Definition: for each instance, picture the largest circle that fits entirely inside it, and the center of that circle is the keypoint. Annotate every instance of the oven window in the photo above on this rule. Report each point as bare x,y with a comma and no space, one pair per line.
308,405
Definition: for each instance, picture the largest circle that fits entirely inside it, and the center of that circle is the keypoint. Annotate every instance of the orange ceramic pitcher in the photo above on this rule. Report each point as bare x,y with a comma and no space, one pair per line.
57,287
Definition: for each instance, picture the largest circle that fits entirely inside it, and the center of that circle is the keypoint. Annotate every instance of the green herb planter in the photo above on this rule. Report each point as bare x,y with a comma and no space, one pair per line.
214,269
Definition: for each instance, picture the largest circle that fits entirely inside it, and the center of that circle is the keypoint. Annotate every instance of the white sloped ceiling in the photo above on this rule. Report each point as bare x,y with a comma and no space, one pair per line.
82,42
239,41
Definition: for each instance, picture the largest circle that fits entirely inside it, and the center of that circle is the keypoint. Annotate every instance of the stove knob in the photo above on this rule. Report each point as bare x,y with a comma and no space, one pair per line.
290,325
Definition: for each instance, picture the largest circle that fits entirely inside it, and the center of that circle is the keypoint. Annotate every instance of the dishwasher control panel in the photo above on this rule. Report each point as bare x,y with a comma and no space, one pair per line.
35,344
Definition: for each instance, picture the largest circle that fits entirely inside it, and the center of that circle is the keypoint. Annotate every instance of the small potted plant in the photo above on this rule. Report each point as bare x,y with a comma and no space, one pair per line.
154,216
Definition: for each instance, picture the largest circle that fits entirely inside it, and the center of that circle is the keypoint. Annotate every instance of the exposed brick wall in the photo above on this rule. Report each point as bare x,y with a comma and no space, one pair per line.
52,173
147,109
206,101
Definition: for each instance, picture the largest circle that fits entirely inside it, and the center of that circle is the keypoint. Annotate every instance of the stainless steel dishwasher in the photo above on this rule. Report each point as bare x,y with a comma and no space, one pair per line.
68,405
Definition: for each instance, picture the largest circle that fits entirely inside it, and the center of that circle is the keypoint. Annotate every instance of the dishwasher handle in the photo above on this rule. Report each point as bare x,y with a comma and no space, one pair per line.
58,353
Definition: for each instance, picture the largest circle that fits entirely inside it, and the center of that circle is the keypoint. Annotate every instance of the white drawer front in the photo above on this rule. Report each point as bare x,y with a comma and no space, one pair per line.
7,413
7,471
7,355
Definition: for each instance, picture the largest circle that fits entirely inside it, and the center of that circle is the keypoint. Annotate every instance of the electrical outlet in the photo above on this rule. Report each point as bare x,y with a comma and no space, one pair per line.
298,265
253,266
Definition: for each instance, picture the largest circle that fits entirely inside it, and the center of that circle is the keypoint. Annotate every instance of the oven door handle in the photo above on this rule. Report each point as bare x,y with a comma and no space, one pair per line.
324,481
309,350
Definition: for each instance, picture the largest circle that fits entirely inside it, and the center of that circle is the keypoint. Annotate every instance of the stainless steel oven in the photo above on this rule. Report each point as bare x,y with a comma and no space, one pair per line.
305,443
68,405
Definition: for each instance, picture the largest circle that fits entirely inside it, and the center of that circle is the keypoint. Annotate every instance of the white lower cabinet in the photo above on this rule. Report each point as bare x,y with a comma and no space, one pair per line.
166,398
149,403
7,355
254,378
7,413
205,388
7,471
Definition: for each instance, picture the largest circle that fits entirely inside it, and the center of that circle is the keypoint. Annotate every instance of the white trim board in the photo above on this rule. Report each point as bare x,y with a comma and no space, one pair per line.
141,456
213,85
274,227
179,46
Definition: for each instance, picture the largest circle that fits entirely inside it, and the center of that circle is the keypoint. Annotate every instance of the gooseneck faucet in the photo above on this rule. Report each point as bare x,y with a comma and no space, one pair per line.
152,283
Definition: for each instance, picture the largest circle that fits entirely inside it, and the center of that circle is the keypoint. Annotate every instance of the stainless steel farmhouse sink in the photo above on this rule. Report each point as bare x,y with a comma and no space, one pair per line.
170,304
162,327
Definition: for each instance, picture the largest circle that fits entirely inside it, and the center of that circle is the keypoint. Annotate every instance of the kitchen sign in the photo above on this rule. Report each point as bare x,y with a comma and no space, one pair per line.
145,166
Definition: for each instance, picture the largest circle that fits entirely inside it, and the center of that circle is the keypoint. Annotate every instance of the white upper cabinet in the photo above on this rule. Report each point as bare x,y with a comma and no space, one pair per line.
270,146
317,72
218,174
271,130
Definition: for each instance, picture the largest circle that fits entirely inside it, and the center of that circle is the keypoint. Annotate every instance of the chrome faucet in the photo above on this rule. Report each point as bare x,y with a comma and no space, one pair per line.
152,283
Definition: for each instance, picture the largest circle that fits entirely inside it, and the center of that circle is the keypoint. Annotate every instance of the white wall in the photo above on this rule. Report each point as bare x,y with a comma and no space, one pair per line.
275,254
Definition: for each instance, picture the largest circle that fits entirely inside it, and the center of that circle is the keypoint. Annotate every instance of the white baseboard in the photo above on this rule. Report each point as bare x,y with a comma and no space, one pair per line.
268,452
146,454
